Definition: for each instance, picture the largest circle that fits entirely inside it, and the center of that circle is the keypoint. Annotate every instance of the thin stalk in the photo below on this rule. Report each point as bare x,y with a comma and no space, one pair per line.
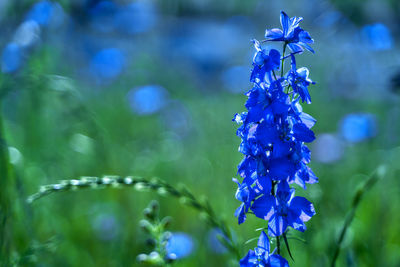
142,184
378,173
273,72
278,245
5,200
283,58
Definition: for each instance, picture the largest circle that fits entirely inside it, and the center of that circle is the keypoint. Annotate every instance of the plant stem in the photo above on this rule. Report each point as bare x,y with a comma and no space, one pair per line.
141,184
376,175
278,245
5,200
283,58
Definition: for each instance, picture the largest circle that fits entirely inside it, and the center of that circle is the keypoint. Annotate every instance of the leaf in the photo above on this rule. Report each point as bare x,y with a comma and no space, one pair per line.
251,240
287,246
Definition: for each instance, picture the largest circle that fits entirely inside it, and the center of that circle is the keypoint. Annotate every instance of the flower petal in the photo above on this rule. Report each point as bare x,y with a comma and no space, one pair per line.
263,242
276,225
249,260
281,168
307,119
303,208
295,222
302,133
309,48
240,214
275,57
277,261
305,37
285,22
274,35
263,207
296,48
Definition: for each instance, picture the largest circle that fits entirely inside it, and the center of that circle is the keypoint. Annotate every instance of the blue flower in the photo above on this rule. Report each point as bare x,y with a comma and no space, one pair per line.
299,80
107,64
273,133
297,114
41,12
247,192
283,210
304,176
357,127
148,99
377,37
180,244
264,62
260,256
11,58
291,34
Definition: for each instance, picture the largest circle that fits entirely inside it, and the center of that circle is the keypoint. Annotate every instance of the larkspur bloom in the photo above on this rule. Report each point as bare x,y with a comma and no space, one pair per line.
273,134
299,80
260,256
283,210
291,33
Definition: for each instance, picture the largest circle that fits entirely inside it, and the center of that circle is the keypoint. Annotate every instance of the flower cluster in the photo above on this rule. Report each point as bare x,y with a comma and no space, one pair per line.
274,131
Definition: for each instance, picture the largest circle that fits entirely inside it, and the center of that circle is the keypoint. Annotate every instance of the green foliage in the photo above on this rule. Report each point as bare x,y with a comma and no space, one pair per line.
60,126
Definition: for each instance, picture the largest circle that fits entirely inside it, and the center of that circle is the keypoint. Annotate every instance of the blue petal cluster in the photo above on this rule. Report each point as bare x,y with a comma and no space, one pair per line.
291,33
260,256
274,131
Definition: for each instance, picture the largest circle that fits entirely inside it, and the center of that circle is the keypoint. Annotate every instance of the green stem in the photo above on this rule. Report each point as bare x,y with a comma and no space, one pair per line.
283,58
278,245
378,173
5,207
273,72
141,184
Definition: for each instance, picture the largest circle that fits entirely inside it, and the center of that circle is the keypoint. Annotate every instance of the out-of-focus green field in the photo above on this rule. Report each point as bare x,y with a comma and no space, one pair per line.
61,124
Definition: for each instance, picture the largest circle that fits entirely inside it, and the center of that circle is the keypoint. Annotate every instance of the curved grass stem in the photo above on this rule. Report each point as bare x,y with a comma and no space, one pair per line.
376,175
6,188
142,184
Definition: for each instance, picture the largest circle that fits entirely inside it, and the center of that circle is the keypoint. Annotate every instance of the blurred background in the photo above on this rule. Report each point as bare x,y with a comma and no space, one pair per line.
149,88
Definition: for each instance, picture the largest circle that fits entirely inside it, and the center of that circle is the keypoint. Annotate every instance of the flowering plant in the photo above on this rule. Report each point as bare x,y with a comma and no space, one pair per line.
273,134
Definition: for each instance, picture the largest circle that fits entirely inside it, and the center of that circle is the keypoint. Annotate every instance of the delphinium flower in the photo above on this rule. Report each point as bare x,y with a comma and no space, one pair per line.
260,256
273,134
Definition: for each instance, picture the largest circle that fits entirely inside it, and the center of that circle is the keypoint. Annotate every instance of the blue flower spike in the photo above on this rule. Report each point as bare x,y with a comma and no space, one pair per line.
274,131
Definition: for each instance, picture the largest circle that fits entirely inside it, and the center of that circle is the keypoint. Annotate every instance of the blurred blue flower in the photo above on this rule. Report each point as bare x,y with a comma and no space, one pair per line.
377,36
147,99
214,243
358,127
102,15
132,18
41,12
177,118
107,64
136,17
234,79
106,226
11,58
27,34
204,43
180,244
328,148
328,19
